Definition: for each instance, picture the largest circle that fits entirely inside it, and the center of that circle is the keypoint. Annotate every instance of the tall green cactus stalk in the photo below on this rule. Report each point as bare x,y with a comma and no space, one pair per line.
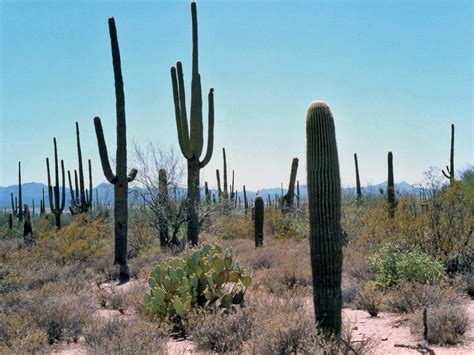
17,206
82,206
56,200
232,187
297,194
10,221
392,204
33,207
449,174
358,189
163,207
207,193
120,179
259,209
191,141
27,229
246,203
219,190
72,208
89,196
289,197
269,201
324,197
42,205
225,192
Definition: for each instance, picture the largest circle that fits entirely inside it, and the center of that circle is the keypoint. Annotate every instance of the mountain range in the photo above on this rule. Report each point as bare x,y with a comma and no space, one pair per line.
33,191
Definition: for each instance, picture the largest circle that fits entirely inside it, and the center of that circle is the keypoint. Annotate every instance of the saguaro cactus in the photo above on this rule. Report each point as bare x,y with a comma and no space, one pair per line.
225,193
289,197
259,209
27,229
191,143
207,194
298,194
391,187
56,200
17,206
324,197
82,196
10,221
219,190
359,191
120,180
246,203
89,196
449,174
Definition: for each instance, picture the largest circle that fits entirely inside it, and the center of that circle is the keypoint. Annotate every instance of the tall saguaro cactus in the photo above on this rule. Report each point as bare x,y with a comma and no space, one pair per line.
449,174
324,197
82,196
17,206
56,200
226,193
191,140
359,191
259,210
163,207
391,187
289,197
120,179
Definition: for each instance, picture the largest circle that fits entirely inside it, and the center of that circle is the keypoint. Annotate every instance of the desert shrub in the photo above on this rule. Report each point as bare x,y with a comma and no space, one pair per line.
224,331
409,297
82,239
356,265
143,240
446,324
198,278
291,225
369,298
233,225
394,267
121,336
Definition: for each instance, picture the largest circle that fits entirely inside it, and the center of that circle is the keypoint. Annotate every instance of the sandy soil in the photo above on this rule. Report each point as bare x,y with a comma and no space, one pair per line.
385,331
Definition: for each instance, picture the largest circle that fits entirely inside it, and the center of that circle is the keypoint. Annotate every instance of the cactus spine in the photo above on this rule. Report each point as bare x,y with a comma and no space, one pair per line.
56,200
359,191
191,142
391,187
120,180
449,174
258,221
324,197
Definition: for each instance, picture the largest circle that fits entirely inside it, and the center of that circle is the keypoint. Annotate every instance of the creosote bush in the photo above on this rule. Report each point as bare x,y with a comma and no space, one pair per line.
369,298
395,267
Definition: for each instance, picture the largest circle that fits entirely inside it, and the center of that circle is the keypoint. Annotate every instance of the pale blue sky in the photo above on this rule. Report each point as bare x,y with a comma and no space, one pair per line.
395,73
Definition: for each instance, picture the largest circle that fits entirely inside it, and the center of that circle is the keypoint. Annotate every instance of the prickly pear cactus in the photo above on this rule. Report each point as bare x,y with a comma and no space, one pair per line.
198,278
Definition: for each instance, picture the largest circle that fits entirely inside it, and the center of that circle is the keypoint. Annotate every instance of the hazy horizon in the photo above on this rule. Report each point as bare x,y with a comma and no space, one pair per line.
395,73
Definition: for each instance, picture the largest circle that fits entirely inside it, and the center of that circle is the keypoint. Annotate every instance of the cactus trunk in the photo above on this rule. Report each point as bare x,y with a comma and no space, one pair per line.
324,197
390,186
163,207
259,214
358,189
450,171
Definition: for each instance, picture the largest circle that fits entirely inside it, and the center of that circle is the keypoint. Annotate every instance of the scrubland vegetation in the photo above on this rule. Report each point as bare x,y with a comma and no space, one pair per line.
53,292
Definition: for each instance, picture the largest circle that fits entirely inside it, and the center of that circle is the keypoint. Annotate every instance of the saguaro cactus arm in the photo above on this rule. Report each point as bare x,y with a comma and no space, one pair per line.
210,128
180,109
104,157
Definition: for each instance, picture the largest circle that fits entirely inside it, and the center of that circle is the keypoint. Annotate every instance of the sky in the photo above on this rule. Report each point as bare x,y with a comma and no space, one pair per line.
396,74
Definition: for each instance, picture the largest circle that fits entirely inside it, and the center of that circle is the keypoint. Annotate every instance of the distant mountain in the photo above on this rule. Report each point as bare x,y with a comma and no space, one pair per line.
33,191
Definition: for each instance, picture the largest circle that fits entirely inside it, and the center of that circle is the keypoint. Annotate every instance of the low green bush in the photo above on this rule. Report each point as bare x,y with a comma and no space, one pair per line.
394,267
197,278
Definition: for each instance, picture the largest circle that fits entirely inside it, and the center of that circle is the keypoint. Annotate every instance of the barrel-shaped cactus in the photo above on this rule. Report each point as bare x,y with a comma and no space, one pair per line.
324,198
259,209
120,179
191,140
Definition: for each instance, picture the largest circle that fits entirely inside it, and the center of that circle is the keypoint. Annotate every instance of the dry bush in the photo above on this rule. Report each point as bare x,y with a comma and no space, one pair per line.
224,331
121,336
291,225
411,297
356,264
369,299
143,240
233,225
446,324
287,326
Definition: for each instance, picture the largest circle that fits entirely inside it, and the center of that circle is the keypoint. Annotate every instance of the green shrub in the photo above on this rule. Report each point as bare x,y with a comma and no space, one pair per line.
197,278
394,267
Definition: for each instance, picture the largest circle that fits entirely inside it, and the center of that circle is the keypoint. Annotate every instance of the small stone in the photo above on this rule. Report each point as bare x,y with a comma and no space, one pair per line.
384,339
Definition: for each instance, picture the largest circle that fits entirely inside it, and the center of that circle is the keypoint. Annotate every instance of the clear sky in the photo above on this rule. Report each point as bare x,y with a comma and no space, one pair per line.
395,73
